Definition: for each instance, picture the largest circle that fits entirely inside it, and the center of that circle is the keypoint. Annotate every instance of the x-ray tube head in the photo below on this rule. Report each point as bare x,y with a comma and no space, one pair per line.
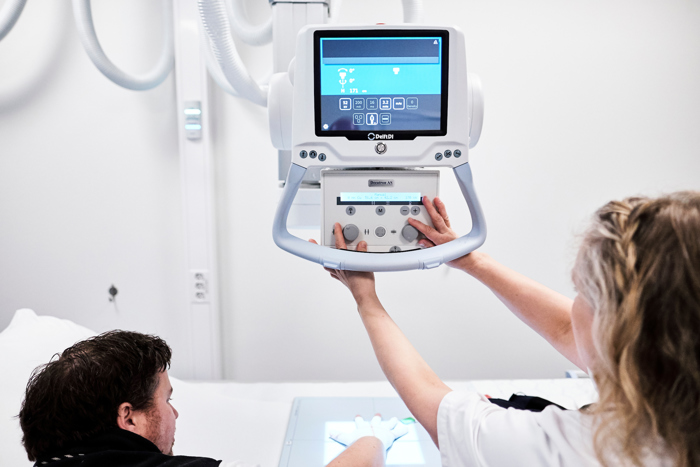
390,97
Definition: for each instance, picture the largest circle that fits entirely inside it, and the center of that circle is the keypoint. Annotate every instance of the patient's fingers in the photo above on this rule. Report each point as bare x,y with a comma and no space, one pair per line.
442,210
339,239
362,246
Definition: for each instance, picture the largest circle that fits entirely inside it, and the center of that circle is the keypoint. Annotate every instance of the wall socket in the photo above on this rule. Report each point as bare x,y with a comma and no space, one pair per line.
199,285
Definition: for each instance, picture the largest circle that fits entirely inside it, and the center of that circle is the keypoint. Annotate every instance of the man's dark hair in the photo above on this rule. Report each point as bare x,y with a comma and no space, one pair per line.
77,395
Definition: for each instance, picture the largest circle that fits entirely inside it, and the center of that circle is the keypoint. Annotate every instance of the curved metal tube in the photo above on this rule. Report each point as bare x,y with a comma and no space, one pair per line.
9,15
88,37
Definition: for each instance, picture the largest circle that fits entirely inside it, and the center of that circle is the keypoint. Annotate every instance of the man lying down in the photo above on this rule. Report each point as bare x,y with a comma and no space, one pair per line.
105,402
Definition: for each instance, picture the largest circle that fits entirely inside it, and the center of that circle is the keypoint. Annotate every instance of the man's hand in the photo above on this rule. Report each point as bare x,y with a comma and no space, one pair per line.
361,284
441,233
387,433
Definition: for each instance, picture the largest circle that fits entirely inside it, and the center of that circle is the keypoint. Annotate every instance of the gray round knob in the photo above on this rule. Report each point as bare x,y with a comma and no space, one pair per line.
409,233
351,232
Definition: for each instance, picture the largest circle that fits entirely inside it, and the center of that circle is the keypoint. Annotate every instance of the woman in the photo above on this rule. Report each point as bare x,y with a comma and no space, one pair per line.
635,326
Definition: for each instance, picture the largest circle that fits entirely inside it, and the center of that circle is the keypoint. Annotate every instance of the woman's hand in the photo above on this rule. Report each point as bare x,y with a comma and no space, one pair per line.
441,233
361,284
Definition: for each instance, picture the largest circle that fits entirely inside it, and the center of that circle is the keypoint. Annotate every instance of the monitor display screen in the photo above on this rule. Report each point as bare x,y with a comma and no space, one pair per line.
381,82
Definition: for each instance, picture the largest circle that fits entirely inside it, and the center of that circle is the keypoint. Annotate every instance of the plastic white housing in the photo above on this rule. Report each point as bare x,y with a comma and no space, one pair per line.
421,152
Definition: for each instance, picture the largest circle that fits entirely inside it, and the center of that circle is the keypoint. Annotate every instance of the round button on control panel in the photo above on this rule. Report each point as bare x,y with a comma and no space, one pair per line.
409,233
381,210
395,249
380,231
351,232
312,154
303,154
405,210
350,210
415,210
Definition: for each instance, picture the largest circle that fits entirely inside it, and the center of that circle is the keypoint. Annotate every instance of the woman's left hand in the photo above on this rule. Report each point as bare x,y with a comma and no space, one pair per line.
361,284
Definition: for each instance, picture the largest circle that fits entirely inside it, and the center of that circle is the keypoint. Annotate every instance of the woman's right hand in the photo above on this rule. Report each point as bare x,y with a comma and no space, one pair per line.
441,233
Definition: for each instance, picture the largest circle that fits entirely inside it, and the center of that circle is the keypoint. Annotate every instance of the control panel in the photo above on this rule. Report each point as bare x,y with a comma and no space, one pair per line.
374,206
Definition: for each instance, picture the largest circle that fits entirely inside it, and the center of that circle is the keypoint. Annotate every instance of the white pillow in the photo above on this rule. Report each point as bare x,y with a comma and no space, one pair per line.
29,341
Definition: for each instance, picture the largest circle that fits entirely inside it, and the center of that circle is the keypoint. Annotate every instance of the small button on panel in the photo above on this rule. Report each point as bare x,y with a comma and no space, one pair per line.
377,203
312,154
303,154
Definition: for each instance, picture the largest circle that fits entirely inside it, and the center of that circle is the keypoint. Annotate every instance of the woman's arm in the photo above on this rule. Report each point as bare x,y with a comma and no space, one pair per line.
544,310
365,452
417,384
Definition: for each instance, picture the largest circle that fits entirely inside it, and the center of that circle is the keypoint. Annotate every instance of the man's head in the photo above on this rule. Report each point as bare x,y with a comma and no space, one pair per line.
116,379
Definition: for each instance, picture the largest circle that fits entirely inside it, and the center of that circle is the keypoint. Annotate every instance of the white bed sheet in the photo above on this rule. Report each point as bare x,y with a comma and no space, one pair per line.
224,420
248,421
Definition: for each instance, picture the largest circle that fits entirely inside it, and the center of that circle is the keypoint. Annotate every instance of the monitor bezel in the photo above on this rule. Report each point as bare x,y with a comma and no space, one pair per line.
368,134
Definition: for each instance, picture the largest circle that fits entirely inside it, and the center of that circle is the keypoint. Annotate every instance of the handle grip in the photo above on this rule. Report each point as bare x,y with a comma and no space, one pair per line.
362,261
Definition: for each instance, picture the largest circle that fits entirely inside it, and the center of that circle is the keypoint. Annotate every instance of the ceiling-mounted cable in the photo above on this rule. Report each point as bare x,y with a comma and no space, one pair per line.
88,37
9,14
248,33
216,24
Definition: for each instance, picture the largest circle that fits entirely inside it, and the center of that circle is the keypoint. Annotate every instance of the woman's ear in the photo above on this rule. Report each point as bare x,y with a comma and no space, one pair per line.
125,417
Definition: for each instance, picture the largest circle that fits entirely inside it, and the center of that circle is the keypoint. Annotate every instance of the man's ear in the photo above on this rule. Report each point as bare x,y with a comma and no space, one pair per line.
125,417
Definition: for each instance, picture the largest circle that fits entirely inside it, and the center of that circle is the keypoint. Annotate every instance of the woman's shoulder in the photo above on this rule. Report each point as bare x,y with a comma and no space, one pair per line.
469,425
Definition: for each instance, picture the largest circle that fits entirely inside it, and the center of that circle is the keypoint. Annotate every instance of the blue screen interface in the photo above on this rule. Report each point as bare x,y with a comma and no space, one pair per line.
381,83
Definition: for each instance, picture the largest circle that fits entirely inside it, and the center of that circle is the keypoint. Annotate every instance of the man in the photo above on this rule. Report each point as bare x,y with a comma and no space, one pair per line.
105,402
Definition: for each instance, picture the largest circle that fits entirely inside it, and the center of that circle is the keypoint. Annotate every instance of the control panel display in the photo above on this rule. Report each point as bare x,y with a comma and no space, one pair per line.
379,198
391,82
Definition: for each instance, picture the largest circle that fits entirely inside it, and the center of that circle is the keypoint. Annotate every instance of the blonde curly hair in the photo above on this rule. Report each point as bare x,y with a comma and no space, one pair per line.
639,270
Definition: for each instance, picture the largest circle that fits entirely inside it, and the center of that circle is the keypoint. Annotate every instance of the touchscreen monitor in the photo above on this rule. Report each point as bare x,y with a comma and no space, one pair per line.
381,82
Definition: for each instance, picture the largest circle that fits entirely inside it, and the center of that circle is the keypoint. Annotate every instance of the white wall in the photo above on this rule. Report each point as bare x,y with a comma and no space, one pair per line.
585,101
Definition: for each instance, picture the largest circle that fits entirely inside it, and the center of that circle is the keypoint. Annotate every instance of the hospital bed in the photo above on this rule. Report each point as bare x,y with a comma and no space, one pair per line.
224,419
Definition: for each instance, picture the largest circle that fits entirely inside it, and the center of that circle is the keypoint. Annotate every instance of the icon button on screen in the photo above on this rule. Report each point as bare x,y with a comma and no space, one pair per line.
372,119
412,103
358,119
385,119
399,103
344,103
358,103
372,103
385,103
